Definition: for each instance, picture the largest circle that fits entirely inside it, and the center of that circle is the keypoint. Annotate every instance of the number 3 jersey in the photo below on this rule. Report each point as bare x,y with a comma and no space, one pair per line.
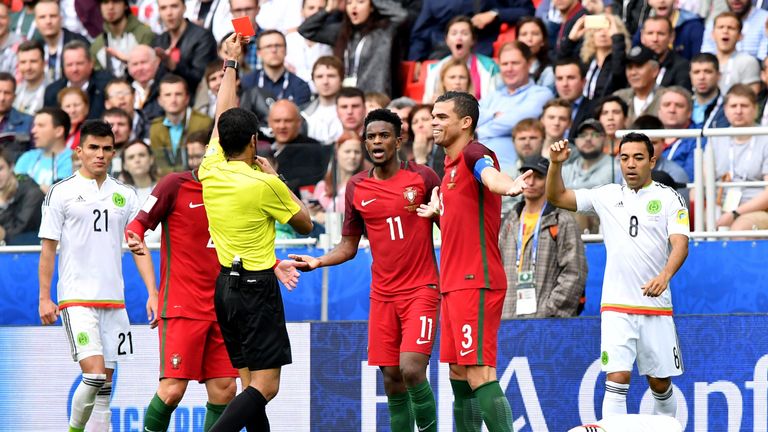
89,223
636,227
401,240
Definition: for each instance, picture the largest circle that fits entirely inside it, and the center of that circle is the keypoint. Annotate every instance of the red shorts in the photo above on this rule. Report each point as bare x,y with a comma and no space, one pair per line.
193,349
399,326
470,325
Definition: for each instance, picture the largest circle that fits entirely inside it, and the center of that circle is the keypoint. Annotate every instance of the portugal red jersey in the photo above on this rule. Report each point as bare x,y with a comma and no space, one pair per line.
401,241
188,262
470,222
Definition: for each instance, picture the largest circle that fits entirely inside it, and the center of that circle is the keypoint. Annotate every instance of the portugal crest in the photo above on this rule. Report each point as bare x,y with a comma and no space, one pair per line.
411,193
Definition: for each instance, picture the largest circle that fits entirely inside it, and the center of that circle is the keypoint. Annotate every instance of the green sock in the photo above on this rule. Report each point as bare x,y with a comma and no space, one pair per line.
495,407
424,410
466,409
400,413
212,413
74,429
158,415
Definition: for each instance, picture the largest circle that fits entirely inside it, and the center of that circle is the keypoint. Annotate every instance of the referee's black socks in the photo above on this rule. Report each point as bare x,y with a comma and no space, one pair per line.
247,410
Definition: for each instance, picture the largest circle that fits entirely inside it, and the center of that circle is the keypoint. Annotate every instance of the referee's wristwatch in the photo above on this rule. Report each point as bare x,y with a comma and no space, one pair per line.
735,214
230,64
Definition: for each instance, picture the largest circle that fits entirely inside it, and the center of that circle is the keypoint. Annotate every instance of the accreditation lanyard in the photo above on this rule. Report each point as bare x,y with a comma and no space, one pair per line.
592,75
748,156
285,85
358,51
520,244
708,121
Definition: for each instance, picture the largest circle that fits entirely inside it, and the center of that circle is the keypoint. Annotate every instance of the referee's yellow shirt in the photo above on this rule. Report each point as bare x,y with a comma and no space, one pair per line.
243,204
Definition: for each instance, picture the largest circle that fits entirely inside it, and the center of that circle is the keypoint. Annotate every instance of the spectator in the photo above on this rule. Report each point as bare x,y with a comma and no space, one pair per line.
422,143
454,76
120,121
657,34
611,111
752,215
427,36
518,99
196,143
350,109
10,119
708,109
51,159
591,167
461,38
375,100
122,32
751,28
741,158
675,107
167,133
630,12
20,205
23,21
569,82
147,12
543,254
403,106
642,70
140,171
120,95
762,96
184,48
663,164
533,32
571,11
303,53
30,92
330,191
274,79
9,42
53,37
144,69
528,136
79,73
322,121
205,101
82,17
686,32
300,159
556,119
74,102
363,38
250,9
735,67
214,16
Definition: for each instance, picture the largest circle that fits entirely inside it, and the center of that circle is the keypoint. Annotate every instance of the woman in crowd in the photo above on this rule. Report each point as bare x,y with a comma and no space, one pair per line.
362,36
533,32
20,205
454,76
423,147
461,37
139,171
75,103
330,192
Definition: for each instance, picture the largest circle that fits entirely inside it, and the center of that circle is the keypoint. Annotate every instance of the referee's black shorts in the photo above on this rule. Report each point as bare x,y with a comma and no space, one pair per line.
252,319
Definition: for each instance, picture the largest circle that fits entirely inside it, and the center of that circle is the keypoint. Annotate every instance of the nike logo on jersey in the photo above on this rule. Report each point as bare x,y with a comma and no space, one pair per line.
365,203
421,341
195,205
463,353
427,426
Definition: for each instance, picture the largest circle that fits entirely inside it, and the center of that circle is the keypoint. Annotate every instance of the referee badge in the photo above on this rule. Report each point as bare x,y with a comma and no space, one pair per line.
176,361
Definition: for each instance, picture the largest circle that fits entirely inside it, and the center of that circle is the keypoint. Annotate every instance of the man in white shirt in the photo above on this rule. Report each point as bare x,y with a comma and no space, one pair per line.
31,66
639,221
302,53
322,121
86,215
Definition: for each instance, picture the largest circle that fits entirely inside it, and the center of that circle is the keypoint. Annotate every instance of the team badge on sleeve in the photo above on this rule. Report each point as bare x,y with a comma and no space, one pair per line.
682,217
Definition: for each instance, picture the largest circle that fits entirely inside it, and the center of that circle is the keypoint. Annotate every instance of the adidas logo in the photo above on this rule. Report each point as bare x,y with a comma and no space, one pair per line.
619,204
80,199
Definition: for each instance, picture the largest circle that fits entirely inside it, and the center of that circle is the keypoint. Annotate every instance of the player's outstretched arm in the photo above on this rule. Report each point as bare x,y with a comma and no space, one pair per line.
557,194
656,286
287,273
227,96
344,251
502,184
431,210
147,272
48,310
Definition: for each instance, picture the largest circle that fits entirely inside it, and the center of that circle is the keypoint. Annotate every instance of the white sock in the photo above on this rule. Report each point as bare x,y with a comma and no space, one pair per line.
665,403
101,416
84,397
615,399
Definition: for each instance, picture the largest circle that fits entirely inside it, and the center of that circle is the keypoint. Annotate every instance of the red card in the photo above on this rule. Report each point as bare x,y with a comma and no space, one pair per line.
244,26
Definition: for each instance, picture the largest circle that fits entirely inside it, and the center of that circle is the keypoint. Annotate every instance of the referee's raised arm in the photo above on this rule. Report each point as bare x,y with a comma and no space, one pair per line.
227,96
557,194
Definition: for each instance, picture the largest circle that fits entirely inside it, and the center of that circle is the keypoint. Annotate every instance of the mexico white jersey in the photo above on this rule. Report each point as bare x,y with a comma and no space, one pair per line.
89,224
636,227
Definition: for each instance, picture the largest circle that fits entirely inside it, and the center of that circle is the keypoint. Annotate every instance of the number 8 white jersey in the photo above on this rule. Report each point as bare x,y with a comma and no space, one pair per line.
636,227
89,224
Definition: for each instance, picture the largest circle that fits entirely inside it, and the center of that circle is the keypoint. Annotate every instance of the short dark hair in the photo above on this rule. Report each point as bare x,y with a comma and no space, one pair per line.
201,136
5,76
462,19
31,45
350,92
118,81
637,137
59,118
729,14
332,62
670,27
647,121
170,78
267,33
464,105
236,127
76,44
566,61
112,112
385,115
706,58
96,128
611,98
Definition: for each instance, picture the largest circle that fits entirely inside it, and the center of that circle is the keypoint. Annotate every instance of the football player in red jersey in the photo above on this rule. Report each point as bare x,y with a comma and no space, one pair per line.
191,344
382,203
472,278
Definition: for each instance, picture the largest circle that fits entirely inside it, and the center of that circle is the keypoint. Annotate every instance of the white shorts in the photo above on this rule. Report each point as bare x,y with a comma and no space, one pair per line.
98,331
649,339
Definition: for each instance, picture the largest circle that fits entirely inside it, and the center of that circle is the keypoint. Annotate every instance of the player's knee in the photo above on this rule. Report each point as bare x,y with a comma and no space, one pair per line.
223,391
413,374
659,385
171,391
618,377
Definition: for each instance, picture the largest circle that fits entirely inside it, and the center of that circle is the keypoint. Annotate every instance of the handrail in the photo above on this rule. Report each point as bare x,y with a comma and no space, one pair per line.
698,235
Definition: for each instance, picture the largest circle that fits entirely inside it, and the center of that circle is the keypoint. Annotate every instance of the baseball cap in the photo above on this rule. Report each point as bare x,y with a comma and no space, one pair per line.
591,123
536,163
640,55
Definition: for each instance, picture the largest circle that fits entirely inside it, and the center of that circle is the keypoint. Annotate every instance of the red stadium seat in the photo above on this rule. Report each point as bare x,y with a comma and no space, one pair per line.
414,78
507,33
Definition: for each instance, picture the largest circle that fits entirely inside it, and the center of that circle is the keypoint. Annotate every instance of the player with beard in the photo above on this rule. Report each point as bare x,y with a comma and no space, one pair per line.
382,203
592,166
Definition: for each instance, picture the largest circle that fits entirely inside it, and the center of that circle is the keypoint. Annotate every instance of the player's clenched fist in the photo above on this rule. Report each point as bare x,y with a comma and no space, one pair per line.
49,312
559,151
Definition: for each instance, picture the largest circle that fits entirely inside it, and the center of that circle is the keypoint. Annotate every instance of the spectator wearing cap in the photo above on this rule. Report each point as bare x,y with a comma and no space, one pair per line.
751,39
122,32
687,28
642,70
658,34
542,252
735,67
519,98
592,166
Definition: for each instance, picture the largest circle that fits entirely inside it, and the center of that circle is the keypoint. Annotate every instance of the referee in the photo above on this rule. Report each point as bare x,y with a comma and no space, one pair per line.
244,197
